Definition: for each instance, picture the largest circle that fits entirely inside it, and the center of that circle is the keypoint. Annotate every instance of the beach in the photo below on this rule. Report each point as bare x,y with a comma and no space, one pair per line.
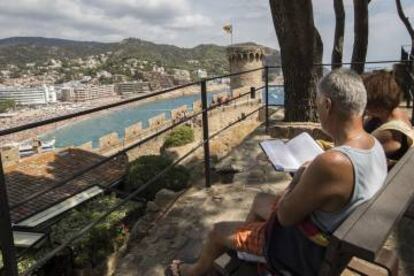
27,115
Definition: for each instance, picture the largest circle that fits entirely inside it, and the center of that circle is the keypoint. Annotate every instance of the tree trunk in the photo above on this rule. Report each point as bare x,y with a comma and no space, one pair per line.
407,24
338,47
300,47
359,53
408,83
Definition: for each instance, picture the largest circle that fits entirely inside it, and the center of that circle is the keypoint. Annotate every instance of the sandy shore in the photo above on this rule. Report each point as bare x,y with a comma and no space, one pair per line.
29,115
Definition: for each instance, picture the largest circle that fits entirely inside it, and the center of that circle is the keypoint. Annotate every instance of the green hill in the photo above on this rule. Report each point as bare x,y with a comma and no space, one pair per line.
22,50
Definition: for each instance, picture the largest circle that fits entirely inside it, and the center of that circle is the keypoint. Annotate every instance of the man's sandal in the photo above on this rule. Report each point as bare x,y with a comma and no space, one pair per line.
173,269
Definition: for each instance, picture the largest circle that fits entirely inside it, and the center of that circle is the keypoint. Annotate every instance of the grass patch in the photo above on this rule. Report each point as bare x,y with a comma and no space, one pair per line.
180,136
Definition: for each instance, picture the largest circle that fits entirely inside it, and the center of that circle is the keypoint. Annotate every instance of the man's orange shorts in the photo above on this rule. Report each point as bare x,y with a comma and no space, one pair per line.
250,237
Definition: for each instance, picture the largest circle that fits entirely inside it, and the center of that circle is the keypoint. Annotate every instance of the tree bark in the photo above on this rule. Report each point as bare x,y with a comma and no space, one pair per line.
359,53
407,83
407,24
301,48
337,51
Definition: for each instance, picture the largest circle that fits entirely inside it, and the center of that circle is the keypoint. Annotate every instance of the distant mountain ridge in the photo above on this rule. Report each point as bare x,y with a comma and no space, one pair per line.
22,50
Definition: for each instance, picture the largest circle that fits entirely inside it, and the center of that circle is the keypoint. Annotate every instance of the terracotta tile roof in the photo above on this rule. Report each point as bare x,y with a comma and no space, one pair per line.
44,170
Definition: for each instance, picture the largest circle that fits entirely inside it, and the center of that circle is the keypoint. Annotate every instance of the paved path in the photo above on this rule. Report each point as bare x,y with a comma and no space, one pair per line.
180,232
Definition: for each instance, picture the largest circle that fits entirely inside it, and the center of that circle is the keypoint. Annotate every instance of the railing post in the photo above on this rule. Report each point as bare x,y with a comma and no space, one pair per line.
6,234
267,97
412,109
204,106
252,93
411,89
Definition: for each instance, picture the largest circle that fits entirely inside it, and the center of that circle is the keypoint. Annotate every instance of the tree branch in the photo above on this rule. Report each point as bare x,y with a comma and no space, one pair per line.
404,19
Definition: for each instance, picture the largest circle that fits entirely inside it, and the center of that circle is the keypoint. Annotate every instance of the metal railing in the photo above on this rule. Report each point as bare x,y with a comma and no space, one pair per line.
6,231
6,235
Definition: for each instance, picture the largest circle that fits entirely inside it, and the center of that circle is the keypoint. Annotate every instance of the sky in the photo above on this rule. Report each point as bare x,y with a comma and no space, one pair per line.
187,23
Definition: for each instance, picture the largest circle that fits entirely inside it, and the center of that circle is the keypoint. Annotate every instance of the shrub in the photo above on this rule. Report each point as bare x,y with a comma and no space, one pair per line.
104,239
5,105
146,167
180,136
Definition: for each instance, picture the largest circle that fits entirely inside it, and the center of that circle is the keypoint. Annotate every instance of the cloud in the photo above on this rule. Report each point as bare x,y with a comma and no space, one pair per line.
101,20
191,22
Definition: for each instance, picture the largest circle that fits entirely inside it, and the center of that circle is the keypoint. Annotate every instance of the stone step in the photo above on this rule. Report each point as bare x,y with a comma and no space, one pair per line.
288,130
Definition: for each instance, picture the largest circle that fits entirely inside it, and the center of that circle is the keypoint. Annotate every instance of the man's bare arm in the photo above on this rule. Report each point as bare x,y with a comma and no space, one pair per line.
322,182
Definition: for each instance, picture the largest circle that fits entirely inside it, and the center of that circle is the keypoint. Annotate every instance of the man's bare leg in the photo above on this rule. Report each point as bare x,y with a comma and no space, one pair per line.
219,240
261,209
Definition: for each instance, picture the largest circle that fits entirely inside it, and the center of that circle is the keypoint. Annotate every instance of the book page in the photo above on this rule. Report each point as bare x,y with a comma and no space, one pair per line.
303,148
279,155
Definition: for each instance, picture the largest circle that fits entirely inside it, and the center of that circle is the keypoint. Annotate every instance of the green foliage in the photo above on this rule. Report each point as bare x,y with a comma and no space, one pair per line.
213,58
104,81
102,240
6,105
146,167
39,50
180,136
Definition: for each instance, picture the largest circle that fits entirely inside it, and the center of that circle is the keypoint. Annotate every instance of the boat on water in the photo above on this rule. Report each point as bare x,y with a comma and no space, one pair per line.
48,145
28,148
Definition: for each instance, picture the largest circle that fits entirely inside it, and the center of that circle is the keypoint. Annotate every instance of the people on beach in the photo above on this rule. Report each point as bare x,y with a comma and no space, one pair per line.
385,120
291,230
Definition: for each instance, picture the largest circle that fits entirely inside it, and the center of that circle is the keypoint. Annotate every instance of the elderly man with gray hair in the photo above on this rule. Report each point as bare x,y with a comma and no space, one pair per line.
290,231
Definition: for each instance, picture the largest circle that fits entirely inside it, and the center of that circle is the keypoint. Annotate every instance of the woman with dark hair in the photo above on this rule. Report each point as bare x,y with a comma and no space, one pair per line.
385,120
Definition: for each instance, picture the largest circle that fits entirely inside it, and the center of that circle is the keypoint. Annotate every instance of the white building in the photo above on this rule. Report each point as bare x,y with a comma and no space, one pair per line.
201,73
28,95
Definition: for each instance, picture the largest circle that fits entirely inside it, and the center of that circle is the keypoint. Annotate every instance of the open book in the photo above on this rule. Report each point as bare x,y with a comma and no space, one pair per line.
291,155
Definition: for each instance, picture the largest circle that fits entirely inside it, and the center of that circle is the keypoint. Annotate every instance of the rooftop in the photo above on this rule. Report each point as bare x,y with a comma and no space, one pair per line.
45,170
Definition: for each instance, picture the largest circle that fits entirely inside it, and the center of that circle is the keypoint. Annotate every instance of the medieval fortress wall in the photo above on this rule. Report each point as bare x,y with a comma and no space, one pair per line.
245,58
112,142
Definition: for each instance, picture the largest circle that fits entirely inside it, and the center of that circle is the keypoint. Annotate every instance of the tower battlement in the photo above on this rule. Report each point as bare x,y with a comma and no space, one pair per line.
243,58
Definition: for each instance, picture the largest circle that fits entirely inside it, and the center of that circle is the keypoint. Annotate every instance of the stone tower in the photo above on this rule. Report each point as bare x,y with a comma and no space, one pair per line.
243,58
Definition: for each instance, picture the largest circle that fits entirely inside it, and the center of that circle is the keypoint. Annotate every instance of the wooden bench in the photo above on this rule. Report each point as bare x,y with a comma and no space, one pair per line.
364,232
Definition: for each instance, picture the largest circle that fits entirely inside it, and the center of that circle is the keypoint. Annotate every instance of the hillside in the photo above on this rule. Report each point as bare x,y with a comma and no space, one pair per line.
22,50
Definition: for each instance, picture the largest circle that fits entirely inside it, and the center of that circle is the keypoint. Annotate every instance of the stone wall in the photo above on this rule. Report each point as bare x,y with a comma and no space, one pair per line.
179,113
111,143
9,155
244,58
132,132
288,130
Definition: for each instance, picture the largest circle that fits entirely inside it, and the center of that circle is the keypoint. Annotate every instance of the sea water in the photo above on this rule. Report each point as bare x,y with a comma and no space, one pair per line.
78,133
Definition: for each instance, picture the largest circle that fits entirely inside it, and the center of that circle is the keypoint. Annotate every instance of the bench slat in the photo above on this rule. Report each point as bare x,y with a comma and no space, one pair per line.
365,231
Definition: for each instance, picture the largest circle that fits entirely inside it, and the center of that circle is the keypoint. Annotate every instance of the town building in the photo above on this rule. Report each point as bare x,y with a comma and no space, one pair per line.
28,95
129,89
201,73
181,76
86,93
